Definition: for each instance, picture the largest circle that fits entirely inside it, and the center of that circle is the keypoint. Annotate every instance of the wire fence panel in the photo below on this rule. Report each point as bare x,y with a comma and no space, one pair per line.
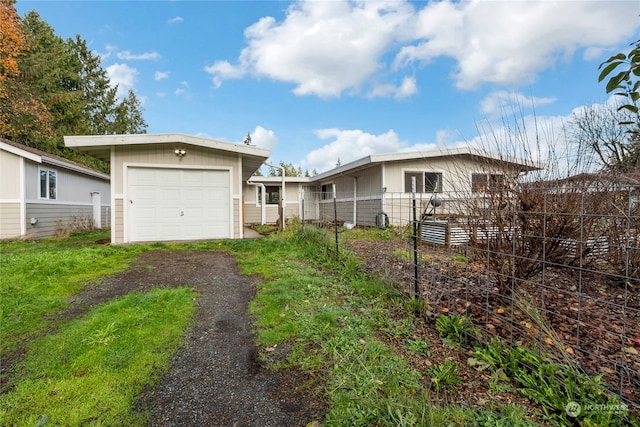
555,267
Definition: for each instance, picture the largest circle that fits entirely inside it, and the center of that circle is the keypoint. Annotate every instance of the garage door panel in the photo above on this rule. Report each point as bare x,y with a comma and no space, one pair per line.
174,204
168,195
168,177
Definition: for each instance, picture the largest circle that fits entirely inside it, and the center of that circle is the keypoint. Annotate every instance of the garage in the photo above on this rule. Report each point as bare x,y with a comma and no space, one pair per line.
173,187
167,204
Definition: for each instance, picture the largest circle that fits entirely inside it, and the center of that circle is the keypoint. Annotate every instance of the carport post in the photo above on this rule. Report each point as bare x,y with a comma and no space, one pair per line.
282,197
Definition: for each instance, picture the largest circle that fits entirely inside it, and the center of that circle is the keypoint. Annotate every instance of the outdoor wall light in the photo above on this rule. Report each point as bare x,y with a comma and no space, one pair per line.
180,152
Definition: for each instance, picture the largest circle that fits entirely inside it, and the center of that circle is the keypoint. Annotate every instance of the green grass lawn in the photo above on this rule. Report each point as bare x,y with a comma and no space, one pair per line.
321,307
87,370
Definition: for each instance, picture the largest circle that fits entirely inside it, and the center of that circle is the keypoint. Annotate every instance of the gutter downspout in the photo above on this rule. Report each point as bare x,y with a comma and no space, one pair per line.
263,214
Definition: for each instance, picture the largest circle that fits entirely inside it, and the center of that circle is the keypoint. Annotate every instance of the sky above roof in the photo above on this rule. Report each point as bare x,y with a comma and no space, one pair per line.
330,81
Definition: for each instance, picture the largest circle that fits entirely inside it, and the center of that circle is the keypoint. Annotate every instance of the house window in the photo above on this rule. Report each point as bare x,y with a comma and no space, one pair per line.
426,182
271,194
484,181
327,191
432,182
408,178
48,184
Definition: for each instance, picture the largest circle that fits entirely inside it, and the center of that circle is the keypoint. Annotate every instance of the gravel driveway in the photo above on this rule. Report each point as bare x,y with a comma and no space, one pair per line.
215,379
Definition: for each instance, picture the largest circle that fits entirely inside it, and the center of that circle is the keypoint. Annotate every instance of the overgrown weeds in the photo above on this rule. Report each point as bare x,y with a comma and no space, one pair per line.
317,310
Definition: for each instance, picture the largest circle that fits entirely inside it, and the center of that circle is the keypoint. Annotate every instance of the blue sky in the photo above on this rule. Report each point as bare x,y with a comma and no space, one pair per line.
327,80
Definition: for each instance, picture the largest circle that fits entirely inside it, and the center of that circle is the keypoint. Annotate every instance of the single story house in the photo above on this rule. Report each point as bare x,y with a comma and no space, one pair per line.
377,190
42,194
167,187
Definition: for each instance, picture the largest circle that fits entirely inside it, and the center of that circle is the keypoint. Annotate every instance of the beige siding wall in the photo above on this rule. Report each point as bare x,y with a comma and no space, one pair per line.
9,220
456,173
163,156
370,181
117,232
252,214
9,176
237,230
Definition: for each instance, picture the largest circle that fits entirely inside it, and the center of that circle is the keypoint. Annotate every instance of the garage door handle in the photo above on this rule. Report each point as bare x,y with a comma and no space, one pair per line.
181,213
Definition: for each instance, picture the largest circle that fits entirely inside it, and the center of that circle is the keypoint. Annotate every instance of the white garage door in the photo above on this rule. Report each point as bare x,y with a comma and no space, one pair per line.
178,204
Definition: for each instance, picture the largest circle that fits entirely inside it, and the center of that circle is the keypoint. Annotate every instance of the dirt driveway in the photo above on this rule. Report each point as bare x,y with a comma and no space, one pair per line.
215,379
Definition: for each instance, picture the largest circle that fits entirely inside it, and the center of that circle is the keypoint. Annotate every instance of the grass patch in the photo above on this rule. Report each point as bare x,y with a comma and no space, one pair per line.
317,310
91,371
39,277
408,256
373,233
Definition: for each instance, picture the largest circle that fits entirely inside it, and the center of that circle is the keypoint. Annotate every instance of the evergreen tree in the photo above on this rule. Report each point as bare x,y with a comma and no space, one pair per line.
128,117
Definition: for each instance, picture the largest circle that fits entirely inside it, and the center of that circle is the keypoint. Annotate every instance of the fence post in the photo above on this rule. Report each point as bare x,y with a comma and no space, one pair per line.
335,221
416,292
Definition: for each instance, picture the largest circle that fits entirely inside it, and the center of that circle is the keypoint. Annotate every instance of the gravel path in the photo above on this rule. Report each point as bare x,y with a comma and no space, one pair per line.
215,379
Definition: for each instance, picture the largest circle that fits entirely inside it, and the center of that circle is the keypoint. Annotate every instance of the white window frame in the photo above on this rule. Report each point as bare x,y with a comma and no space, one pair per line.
422,181
327,194
487,182
266,187
48,188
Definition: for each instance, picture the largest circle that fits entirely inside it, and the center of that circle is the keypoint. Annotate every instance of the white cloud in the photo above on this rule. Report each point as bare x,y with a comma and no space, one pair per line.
126,55
161,75
349,145
176,20
110,49
501,102
181,90
509,42
123,76
407,88
323,47
221,70
327,48
264,138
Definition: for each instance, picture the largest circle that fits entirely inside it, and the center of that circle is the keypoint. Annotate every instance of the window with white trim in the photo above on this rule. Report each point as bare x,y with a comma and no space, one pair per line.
272,195
426,182
486,181
48,184
326,191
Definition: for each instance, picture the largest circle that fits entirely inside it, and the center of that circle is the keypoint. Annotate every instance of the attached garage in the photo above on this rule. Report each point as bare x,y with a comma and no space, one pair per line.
172,187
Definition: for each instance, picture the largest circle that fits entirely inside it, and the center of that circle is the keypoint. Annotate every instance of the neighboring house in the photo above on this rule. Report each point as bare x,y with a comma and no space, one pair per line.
627,184
377,190
167,187
42,194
